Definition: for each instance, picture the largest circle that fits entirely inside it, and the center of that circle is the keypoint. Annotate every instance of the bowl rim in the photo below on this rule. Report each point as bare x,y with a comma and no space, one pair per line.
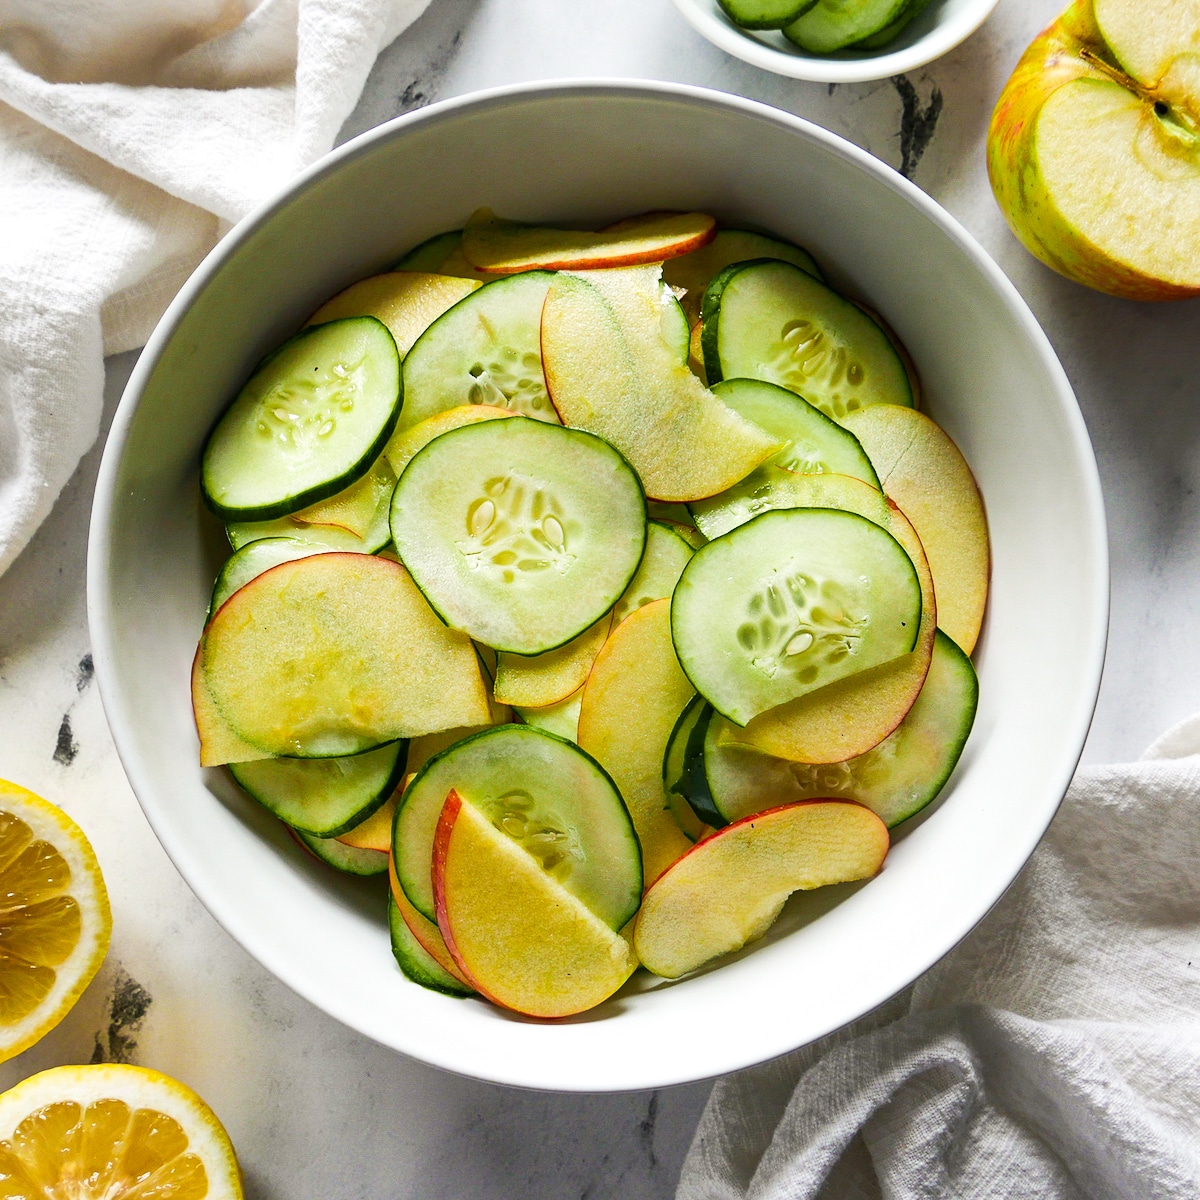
744,45
100,599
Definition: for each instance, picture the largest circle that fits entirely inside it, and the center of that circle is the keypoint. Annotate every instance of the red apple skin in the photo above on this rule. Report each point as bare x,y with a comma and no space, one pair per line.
1054,58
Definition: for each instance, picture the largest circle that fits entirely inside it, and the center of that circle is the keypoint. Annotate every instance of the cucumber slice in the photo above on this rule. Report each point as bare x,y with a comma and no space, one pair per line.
912,9
832,24
764,14
683,765
561,719
442,255
520,533
252,560
416,962
789,602
484,350
771,320
815,445
676,330
662,564
348,859
896,779
324,796
695,271
313,418
547,795
331,537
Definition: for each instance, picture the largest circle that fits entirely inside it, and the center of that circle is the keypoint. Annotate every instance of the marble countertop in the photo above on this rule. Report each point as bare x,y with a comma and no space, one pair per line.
315,1110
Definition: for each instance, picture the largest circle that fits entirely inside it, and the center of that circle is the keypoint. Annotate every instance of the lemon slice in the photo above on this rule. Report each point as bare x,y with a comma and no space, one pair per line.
54,917
112,1132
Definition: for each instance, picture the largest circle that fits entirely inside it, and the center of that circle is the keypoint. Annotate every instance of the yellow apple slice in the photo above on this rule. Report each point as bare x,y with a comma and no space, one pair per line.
520,938
504,247
729,888
533,681
609,371
219,743
353,509
849,717
375,833
407,302
667,553
405,443
424,930
631,701
924,472
332,655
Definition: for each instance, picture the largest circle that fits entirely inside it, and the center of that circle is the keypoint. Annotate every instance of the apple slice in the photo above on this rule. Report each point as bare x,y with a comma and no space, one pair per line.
504,247
375,833
924,472
405,443
534,681
520,938
353,509
609,371
423,929
218,742
407,302
729,888
631,701
1093,164
849,717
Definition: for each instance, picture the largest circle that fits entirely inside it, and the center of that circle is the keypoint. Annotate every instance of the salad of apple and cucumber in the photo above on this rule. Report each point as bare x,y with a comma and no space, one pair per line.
601,589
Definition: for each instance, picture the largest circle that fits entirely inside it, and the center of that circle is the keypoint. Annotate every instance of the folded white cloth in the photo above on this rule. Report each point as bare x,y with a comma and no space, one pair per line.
1054,1054
131,133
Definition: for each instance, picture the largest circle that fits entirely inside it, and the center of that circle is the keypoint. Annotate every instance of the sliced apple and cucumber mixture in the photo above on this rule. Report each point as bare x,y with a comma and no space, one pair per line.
599,589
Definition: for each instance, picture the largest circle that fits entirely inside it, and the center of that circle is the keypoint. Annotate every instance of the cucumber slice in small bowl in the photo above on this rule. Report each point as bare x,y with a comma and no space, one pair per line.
324,797
895,780
766,319
520,533
831,25
350,860
416,962
815,445
791,601
312,420
545,793
764,14
486,349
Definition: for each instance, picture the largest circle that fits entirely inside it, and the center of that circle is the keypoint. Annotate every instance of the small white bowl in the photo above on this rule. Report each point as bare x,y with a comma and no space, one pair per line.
593,152
941,27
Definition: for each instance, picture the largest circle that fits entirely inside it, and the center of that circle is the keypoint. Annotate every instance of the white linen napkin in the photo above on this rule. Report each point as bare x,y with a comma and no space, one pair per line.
1054,1054
132,132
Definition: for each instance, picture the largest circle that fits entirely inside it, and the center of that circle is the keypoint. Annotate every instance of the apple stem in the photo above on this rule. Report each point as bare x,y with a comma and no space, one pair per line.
1126,81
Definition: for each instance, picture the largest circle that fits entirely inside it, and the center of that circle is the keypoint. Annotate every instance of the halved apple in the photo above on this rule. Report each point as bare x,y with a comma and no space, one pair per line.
924,472
729,888
631,701
423,929
520,938
503,247
609,371
533,681
849,717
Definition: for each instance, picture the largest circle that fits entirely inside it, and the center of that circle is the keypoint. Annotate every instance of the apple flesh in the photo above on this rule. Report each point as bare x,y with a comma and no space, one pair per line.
729,888
534,681
504,247
520,938
1094,147
924,472
609,371
630,704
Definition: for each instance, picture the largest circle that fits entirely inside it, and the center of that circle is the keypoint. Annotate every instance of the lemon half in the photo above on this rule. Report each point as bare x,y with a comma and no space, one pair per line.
112,1132
55,921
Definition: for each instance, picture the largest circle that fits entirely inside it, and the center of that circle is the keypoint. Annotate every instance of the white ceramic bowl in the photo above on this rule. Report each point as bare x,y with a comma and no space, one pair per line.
941,27
594,152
